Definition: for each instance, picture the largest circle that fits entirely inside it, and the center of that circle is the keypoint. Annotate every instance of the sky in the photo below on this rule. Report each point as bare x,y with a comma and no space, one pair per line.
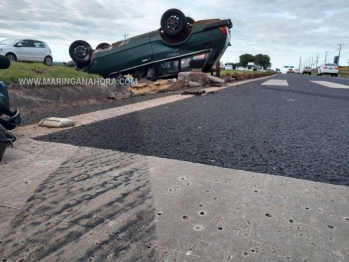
290,32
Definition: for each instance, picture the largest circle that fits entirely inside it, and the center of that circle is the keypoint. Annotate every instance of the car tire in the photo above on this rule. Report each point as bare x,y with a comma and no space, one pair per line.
309,73
80,51
190,20
11,56
48,61
103,46
173,22
336,75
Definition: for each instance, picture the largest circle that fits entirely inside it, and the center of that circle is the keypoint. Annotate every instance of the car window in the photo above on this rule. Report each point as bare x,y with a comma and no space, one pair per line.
26,43
168,67
39,44
194,61
330,65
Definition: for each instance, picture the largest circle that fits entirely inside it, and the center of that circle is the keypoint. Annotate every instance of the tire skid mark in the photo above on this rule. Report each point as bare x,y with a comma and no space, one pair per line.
82,197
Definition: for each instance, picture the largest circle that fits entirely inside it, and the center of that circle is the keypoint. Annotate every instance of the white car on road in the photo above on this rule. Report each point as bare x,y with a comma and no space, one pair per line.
29,50
328,69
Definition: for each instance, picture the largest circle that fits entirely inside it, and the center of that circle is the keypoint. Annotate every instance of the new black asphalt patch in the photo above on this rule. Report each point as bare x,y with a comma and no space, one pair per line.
250,127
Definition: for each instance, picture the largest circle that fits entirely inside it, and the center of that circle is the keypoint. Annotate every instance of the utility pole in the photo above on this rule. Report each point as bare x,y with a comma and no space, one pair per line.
300,61
124,35
311,63
326,56
339,54
317,59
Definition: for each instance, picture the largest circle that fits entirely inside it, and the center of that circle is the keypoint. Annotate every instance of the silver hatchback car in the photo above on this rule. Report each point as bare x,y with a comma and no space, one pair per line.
29,50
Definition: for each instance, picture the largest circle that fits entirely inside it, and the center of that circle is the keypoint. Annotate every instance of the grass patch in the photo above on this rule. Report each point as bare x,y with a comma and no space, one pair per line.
224,72
19,70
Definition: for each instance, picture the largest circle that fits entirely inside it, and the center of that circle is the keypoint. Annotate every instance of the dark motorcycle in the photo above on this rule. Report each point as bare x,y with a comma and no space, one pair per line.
8,124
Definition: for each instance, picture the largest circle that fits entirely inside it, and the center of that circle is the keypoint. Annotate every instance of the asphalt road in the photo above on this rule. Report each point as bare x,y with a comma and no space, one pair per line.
299,130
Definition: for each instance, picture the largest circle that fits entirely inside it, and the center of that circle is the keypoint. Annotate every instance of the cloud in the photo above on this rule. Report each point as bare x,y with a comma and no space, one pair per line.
285,30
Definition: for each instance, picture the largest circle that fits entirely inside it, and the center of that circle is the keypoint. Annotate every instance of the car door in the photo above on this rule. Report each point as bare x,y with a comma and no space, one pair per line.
38,51
126,55
24,50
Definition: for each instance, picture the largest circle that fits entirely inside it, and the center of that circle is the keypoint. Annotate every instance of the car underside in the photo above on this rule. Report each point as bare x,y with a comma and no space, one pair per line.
180,45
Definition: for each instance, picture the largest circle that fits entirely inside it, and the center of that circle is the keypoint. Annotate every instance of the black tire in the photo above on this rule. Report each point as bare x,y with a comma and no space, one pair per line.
173,22
48,61
11,56
309,73
190,20
336,75
80,51
103,46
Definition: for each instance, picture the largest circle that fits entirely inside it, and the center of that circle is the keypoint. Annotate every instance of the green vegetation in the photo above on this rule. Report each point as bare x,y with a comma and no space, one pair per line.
224,72
259,59
22,70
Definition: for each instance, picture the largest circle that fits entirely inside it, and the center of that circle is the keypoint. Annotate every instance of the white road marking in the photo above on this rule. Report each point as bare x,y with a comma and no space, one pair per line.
34,130
275,82
330,84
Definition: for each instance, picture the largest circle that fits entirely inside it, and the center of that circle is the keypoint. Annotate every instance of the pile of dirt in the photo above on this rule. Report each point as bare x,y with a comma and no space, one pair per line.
48,98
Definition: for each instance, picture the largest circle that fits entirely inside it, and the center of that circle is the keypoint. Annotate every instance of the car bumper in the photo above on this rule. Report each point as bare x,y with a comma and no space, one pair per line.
328,71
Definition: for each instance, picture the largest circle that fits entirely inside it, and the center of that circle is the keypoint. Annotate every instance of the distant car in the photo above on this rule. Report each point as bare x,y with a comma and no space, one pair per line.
328,69
296,71
306,70
179,45
228,67
290,71
29,50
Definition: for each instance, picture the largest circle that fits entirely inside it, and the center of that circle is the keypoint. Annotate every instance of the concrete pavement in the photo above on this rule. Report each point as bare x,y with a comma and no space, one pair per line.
86,204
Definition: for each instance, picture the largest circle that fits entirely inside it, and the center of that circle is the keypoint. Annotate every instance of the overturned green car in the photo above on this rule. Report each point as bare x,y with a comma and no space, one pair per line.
180,45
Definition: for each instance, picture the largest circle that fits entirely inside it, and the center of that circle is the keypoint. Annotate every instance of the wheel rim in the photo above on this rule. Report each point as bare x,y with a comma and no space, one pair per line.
173,23
11,57
48,61
80,51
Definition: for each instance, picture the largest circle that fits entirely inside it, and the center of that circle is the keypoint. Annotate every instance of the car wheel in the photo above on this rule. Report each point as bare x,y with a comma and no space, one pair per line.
173,22
190,20
103,46
48,61
80,51
309,73
11,57
336,75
